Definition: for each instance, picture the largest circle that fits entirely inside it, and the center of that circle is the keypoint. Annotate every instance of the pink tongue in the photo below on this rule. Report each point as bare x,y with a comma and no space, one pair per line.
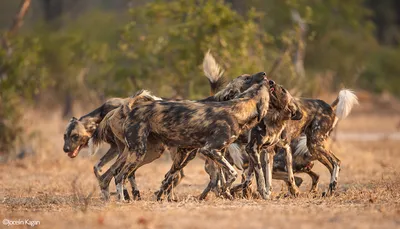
74,153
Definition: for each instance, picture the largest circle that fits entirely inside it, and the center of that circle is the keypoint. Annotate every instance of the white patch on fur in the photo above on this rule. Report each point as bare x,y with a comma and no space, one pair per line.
211,69
301,147
148,94
120,191
335,173
92,147
347,99
236,154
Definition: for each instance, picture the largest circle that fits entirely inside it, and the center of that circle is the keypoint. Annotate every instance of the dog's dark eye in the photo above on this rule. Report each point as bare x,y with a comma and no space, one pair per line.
75,137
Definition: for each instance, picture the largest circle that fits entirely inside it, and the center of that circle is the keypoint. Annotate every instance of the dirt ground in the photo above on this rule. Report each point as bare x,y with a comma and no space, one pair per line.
60,192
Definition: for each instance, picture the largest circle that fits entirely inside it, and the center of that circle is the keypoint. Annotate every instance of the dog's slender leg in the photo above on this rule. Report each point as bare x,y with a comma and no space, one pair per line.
282,175
315,179
327,158
269,155
216,156
289,165
170,191
336,169
212,170
252,148
135,189
132,161
246,182
105,179
180,161
135,135
111,154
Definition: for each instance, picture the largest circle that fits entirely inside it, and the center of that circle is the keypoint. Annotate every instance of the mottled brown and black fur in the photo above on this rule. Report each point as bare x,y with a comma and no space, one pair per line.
266,133
319,119
114,119
79,131
209,127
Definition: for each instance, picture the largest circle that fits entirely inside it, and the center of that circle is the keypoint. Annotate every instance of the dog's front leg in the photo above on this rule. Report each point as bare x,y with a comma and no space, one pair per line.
252,149
289,166
269,159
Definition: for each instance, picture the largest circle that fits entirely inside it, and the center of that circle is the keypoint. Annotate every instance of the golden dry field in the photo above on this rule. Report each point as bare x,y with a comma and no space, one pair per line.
60,192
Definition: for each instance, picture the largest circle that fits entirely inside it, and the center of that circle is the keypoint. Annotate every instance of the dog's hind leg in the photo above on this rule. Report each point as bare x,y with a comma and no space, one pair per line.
327,158
135,135
217,157
315,180
181,159
212,169
111,154
105,179
282,175
135,189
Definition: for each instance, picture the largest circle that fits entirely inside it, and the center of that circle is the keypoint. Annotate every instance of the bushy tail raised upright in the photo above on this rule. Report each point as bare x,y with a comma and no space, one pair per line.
213,72
344,103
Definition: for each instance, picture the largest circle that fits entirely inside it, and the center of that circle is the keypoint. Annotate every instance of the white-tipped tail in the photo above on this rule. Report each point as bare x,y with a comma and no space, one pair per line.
301,148
236,154
347,99
93,148
211,69
147,94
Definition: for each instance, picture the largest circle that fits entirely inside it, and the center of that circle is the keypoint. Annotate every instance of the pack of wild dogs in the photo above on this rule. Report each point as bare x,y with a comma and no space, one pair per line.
252,124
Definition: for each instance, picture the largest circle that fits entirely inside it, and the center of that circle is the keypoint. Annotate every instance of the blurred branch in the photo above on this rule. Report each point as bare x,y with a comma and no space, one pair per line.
298,60
17,23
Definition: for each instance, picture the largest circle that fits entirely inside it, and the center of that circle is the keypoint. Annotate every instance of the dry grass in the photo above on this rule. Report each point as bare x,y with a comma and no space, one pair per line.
62,192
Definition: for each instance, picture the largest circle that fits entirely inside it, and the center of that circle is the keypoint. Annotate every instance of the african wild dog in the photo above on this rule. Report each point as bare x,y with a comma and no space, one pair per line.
236,86
209,127
266,133
301,164
319,119
114,119
80,131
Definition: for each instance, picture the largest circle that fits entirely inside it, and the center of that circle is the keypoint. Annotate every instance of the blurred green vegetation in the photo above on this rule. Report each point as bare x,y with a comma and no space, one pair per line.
89,50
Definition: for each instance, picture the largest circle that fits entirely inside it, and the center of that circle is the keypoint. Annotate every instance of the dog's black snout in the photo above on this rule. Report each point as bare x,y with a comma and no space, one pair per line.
67,149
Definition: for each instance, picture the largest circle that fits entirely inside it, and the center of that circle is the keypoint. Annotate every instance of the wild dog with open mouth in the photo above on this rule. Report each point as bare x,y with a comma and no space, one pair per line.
209,127
78,132
113,122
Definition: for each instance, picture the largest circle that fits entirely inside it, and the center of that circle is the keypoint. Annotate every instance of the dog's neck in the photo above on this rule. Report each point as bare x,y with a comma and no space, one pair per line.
90,124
